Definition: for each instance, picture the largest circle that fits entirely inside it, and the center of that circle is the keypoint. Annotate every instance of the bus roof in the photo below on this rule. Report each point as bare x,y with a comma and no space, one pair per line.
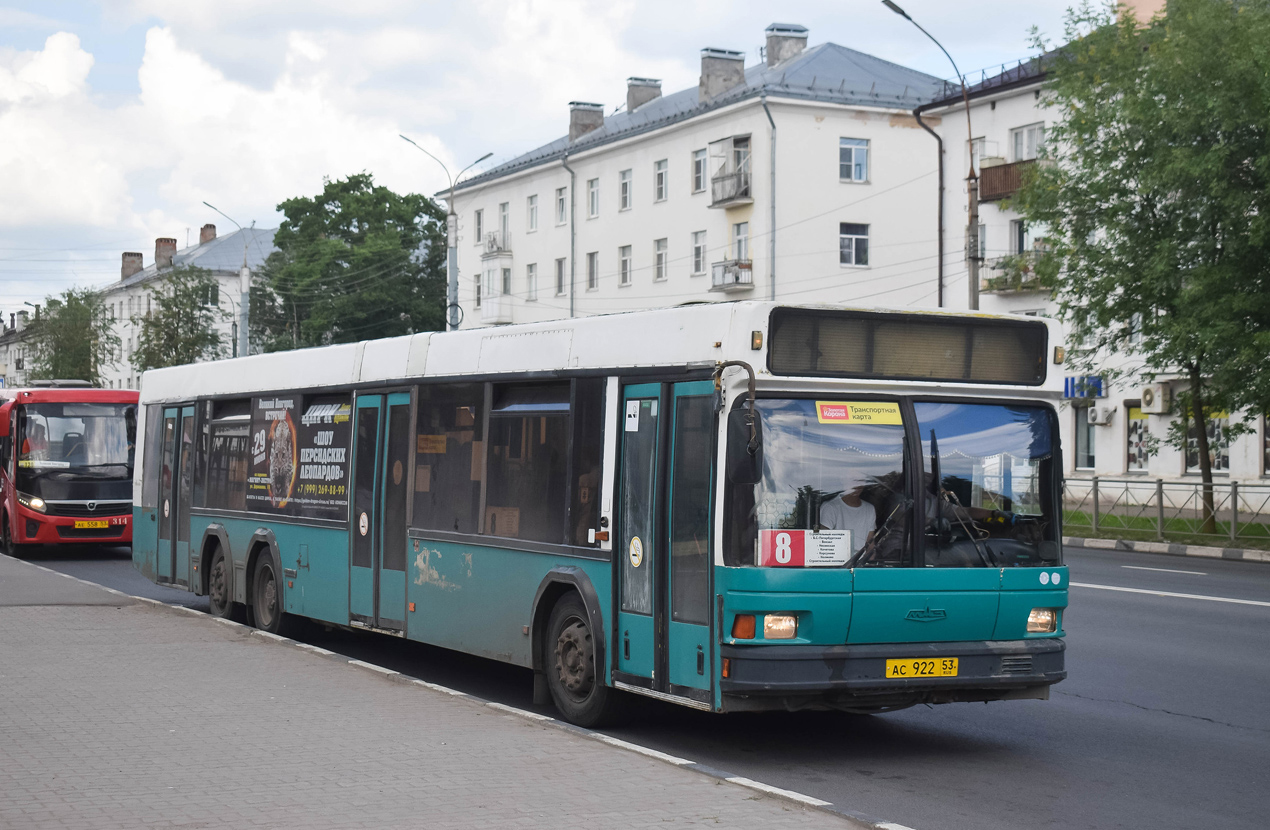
680,337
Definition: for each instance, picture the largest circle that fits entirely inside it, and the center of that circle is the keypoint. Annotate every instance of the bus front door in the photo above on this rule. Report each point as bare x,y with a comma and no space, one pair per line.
377,564
663,620
176,485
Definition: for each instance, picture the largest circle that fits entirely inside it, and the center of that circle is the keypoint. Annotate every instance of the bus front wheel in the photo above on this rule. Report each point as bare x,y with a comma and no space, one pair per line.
10,547
577,690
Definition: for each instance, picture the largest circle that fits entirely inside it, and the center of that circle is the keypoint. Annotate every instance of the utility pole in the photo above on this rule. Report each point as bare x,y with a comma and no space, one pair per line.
972,180
452,308
244,285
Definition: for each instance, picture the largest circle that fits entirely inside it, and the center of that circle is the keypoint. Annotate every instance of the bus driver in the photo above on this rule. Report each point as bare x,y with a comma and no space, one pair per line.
850,512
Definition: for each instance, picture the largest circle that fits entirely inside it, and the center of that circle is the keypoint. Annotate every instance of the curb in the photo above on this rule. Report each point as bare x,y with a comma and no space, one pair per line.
1169,549
855,819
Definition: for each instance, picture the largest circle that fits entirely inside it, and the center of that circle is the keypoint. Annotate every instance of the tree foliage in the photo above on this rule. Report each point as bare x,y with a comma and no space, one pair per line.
1155,194
355,262
180,327
73,339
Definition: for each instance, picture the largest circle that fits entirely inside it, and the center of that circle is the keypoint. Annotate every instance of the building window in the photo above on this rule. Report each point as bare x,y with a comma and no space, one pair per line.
478,222
592,270
698,171
531,282
624,190
1084,437
853,244
1139,441
562,205
1020,240
491,284
1218,430
853,159
476,295
659,181
560,284
507,282
978,149
1027,142
531,213
504,221
624,265
699,252
659,259
593,197
741,241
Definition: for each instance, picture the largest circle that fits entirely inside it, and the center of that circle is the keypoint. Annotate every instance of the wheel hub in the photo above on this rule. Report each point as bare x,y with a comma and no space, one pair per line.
574,663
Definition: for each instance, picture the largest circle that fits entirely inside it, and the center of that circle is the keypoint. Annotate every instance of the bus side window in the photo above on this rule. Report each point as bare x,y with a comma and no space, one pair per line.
151,456
588,458
449,457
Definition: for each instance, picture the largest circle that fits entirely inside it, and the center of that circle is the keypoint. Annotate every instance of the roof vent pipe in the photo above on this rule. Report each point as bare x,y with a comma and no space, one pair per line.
640,91
784,40
721,70
583,118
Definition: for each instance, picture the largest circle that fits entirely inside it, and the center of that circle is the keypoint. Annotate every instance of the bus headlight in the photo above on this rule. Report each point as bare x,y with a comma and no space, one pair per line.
780,627
33,502
1042,621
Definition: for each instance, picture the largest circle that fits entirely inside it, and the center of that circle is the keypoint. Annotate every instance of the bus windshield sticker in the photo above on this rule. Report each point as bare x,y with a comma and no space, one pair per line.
430,444
632,416
804,548
865,412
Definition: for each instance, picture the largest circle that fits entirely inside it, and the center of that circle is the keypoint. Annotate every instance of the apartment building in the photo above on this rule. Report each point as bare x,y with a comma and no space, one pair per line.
231,259
1107,429
803,178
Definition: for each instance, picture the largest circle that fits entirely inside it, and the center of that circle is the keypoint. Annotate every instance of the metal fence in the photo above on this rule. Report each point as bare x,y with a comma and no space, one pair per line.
1226,512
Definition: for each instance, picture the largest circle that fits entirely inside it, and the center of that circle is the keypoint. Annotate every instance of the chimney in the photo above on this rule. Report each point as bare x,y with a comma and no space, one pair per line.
206,234
583,118
131,264
13,321
721,70
164,250
784,40
640,91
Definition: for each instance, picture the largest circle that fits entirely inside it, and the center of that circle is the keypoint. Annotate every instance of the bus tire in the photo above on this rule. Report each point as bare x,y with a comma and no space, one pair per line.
220,597
266,596
576,687
10,547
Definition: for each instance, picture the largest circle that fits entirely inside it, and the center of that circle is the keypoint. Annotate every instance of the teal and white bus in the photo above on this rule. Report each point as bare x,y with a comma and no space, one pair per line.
734,506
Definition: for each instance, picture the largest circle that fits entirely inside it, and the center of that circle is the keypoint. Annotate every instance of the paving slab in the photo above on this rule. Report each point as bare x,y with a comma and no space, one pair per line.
119,714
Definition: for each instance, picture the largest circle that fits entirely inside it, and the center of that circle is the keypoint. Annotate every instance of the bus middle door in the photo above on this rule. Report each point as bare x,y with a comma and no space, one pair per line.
377,566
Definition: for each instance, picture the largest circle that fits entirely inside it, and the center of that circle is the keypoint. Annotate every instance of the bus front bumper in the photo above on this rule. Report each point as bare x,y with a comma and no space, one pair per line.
853,677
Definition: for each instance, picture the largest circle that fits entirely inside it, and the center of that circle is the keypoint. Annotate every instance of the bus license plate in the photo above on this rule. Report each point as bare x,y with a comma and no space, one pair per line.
920,667
94,524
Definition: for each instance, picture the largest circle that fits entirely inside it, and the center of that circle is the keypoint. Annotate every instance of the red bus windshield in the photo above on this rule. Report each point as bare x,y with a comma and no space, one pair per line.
74,442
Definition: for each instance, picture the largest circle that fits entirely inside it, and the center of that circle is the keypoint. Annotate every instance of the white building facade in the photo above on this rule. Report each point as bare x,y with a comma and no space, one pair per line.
1009,123
805,178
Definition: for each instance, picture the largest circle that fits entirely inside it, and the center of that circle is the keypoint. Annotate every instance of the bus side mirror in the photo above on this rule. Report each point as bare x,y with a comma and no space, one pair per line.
745,447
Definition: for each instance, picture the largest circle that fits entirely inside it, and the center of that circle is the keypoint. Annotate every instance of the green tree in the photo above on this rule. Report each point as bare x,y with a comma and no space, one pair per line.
355,262
181,324
73,338
1155,193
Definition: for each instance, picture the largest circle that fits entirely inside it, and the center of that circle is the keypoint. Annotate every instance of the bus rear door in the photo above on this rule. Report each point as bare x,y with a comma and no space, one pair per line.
377,567
663,574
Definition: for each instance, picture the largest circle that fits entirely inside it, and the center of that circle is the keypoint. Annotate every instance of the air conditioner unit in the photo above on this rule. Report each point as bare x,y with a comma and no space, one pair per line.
1156,398
1101,416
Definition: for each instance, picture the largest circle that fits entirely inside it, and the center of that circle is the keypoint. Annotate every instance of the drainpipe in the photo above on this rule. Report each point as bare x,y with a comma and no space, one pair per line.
573,231
771,261
939,266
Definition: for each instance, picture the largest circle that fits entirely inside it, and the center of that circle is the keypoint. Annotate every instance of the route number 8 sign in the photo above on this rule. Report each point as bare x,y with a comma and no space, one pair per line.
804,548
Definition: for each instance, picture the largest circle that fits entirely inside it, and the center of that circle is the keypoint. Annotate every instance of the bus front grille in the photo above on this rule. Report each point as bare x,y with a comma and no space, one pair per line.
1016,665
80,508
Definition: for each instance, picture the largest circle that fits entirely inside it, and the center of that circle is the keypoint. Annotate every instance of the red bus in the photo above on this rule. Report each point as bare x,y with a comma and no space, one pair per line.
66,453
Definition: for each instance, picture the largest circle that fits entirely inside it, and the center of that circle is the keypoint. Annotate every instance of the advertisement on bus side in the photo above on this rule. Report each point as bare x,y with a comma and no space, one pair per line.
300,455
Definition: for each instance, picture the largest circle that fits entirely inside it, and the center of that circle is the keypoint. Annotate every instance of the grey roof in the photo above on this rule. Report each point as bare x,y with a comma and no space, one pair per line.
224,254
1025,73
828,72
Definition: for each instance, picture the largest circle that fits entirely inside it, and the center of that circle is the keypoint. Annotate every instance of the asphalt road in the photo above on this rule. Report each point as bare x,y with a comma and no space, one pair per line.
1163,721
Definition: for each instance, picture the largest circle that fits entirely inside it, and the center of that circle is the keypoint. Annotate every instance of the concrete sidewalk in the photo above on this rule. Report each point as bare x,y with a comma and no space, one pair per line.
117,713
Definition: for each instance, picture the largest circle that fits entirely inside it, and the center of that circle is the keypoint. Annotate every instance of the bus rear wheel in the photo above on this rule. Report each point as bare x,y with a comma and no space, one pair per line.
576,688
266,606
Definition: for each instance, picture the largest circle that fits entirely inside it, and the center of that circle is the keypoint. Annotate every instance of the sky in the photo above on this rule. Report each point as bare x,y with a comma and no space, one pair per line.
120,118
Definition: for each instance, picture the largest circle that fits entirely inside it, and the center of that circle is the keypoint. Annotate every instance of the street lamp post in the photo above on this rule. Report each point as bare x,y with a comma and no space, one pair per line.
972,180
244,286
452,239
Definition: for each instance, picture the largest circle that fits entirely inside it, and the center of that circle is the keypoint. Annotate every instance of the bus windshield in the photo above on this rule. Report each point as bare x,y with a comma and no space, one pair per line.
837,474
74,441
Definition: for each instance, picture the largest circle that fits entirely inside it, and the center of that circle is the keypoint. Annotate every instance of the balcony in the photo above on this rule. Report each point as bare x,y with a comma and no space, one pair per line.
496,310
1000,181
730,189
732,275
1013,273
497,243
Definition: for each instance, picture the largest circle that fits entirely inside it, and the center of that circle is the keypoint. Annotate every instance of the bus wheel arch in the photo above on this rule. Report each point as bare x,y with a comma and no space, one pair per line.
214,537
568,590
263,544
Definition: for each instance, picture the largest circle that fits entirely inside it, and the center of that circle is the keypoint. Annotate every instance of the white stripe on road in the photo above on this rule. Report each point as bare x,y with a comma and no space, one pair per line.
1170,594
1163,570
770,790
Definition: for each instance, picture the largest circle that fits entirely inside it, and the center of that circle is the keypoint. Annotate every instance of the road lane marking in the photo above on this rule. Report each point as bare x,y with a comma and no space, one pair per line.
1170,594
1163,570
790,794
